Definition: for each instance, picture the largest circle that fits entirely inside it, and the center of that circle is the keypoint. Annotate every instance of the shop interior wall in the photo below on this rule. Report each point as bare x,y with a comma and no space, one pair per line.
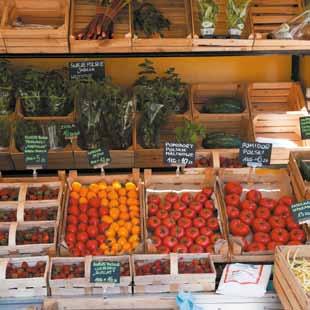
124,71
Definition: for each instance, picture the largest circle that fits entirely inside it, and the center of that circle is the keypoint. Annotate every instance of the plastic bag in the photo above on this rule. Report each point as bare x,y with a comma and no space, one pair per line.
185,301
244,280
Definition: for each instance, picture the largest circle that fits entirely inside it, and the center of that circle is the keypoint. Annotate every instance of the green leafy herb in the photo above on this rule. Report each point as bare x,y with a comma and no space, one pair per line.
208,11
4,132
6,88
236,13
190,132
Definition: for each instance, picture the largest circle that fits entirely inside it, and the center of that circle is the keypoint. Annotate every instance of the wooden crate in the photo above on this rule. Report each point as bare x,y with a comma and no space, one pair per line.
83,286
6,162
2,44
273,183
162,184
24,40
23,287
300,186
87,180
176,38
201,92
82,12
221,42
174,281
220,154
289,289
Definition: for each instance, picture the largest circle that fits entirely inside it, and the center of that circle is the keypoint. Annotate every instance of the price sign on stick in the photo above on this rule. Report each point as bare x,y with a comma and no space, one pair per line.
36,151
254,154
105,272
179,154
304,127
301,212
70,131
87,69
99,158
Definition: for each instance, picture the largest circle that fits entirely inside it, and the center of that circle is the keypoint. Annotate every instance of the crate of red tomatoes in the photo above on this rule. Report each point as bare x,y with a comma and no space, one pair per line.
24,277
170,273
256,204
182,214
71,276
103,215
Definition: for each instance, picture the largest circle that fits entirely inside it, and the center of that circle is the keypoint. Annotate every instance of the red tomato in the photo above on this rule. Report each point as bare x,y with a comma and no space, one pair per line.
196,206
70,238
248,205
254,195
282,210
82,236
238,228
80,246
196,248
208,191
180,248
72,219
192,233
92,231
76,253
213,224
83,218
177,231
153,199
102,227
103,211
189,213
169,222
186,241
94,203
176,214
92,245
262,213
163,249
209,204
294,242
199,222
184,222
267,203
93,221
297,234
72,228
291,223
153,222
201,198
280,235
210,249
101,239
232,200
162,231
156,241
262,237
232,212
170,242
206,231
286,200
172,197
202,240
83,207
233,188
73,210
166,205
82,227
215,237
179,205
277,222
256,247
92,212
260,225
272,245
247,216
206,213
162,214
152,209
186,198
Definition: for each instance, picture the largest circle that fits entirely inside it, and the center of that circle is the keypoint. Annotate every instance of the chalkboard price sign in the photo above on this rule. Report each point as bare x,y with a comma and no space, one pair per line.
98,157
105,272
70,131
304,127
179,154
301,211
36,150
87,69
254,154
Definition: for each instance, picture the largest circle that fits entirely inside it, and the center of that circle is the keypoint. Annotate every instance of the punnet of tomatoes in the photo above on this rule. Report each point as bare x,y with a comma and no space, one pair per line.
36,235
199,265
261,222
25,270
40,214
68,271
9,194
230,162
182,223
43,192
152,267
7,215
4,237
103,219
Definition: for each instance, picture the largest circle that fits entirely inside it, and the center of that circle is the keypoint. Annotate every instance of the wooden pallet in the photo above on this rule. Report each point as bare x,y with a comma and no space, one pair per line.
174,281
83,286
200,93
177,37
274,183
23,287
87,180
82,12
25,40
161,184
289,289
300,186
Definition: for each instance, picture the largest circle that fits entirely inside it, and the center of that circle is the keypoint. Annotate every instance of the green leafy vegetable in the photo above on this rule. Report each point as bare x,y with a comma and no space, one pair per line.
190,132
208,11
6,88
236,13
4,132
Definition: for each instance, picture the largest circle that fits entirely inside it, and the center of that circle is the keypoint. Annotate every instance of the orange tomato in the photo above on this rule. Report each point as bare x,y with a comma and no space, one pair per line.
123,208
130,186
104,202
127,247
112,195
113,204
114,213
83,201
132,202
94,188
122,192
91,195
122,200
83,191
124,216
121,241
109,188
133,214
135,230
128,226
114,226
76,186
123,232
132,194
107,219
116,185
134,245
102,186
121,223
110,233
135,221
75,195
102,194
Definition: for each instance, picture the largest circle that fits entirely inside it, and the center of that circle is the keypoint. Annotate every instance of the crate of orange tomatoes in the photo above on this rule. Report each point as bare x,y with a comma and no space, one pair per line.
103,215
182,214
257,206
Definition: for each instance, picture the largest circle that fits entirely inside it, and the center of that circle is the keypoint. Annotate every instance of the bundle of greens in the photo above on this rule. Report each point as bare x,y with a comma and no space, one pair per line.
6,88
236,13
43,94
208,11
4,133
149,20
190,132
156,98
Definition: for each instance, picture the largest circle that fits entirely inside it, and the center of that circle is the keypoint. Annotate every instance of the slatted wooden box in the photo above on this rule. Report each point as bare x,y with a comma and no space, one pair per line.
33,39
289,289
23,287
177,37
2,45
82,12
221,42
174,281
273,183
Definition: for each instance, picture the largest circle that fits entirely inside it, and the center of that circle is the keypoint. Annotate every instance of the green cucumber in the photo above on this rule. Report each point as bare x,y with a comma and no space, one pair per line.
223,105
218,140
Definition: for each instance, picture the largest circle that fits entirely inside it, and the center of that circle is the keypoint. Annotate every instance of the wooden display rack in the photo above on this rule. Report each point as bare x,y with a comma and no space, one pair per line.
23,287
174,281
82,12
176,38
2,44
288,287
31,40
86,180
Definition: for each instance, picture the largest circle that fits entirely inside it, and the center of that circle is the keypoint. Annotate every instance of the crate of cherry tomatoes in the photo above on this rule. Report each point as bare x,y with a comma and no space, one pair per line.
170,273
103,215
182,214
256,204
24,277
70,276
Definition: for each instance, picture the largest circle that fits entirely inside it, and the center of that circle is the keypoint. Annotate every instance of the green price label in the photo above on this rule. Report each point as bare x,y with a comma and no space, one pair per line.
36,150
99,156
105,272
70,131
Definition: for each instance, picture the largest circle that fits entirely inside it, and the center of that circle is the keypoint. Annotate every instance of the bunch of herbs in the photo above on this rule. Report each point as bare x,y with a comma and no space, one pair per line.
6,88
190,132
237,13
208,11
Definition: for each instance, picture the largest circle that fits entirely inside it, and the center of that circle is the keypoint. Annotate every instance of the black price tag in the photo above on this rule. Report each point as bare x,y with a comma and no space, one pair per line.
105,272
36,150
70,131
305,127
87,69
98,157
179,154
301,211
254,154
